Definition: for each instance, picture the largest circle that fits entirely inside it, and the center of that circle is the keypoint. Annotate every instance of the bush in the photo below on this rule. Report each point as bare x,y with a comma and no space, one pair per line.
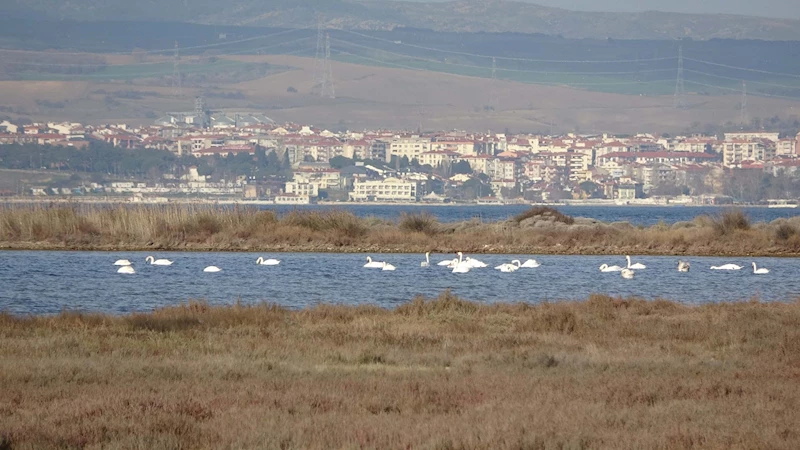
730,221
785,232
545,212
419,223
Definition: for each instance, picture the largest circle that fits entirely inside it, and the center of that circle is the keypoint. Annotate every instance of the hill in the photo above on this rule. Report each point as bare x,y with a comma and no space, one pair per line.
455,16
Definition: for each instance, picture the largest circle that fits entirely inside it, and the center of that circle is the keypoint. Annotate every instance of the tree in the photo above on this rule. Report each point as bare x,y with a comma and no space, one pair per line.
338,162
461,167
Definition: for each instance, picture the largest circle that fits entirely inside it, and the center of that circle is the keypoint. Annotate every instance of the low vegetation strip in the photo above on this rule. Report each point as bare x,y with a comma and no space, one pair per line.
438,373
541,230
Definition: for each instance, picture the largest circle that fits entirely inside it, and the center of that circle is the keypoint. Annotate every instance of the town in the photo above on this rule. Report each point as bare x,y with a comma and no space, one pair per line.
247,157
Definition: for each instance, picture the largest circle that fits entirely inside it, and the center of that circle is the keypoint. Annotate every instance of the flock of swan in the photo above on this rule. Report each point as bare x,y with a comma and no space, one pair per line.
126,266
463,264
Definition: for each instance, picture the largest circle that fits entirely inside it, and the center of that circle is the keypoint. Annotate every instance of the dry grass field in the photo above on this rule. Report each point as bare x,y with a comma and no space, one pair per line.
540,230
379,97
431,374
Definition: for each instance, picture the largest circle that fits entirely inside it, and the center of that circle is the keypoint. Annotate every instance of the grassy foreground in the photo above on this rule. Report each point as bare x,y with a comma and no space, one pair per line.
438,374
539,230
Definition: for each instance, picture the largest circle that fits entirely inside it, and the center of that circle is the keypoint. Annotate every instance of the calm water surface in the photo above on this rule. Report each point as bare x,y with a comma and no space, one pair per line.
49,282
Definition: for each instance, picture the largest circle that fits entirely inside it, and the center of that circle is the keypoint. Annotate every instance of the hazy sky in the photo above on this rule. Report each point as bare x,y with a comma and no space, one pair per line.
786,9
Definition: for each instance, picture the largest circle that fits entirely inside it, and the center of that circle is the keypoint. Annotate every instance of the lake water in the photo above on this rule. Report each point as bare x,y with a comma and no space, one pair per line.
44,282
636,215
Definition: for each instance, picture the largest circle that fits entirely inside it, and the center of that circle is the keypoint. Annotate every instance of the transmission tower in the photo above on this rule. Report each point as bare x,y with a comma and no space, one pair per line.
201,112
319,57
680,93
327,89
493,101
176,72
743,105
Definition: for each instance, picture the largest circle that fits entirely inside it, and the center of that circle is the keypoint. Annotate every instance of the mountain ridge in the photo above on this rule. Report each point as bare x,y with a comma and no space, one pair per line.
451,16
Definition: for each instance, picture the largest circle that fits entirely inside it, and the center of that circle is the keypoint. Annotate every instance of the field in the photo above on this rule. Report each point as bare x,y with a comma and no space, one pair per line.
375,97
438,374
540,230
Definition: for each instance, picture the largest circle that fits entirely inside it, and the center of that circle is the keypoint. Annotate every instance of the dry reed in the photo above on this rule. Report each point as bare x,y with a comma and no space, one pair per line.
540,230
432,373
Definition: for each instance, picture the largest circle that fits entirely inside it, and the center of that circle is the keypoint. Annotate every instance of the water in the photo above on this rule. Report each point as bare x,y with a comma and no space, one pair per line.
639,215
44,282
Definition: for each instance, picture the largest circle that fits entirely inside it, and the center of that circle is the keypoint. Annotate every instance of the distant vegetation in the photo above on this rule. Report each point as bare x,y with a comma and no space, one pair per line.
441,373
189,227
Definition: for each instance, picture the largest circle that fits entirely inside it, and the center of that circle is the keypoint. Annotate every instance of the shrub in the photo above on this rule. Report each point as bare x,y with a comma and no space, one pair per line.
419,223
730,221
784,232
545,212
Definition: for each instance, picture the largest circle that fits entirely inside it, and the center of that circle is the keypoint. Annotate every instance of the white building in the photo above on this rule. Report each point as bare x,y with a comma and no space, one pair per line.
410,147
386,190
302,188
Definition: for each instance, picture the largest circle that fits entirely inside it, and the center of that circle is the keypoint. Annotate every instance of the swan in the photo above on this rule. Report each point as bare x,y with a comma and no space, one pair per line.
474,263
607,268
122,262
637,266
509,267
462,266
126,269
386,266
530,263
760,271
726,267
267,262
446,262
212,269
373,264
158,262
683,266
627,273
427,261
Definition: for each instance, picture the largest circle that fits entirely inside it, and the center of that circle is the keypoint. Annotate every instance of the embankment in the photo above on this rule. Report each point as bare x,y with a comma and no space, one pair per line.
540,230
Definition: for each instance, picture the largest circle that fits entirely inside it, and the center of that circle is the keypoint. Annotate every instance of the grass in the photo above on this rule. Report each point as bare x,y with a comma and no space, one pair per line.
188,227
440,373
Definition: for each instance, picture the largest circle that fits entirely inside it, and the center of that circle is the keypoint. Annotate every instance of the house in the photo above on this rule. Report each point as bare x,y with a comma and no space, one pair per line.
388,190
302,188
631,191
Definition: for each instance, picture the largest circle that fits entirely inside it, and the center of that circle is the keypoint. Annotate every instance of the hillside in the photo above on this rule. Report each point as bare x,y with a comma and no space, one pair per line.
455,16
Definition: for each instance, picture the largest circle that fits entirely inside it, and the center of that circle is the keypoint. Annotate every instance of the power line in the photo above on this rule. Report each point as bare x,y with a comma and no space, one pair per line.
176,72
743,105
679,99
757,94
739,79
507,58
328,89
743,68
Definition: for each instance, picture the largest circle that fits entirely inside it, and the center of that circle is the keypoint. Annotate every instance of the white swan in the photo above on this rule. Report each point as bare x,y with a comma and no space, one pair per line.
373,264
637,266
158,262
760,271
530,263
212,269
607,268
427,261
509,267
462,266
126,269
386,266
474,263
446,262
726,267
627,273
122,262
267,262
683,266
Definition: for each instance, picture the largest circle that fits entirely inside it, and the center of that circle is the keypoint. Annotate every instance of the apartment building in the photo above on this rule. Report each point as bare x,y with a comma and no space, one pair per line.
387,190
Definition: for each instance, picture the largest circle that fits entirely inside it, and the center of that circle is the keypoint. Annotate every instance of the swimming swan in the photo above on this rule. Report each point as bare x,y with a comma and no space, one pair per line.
122,262
627,273
446,262
126,269
509,267
373,264
607,268
760,271
683,266
474,263
386,266
267,262
212,269
158,262
637,266
726,267
427,261
462,265
530,263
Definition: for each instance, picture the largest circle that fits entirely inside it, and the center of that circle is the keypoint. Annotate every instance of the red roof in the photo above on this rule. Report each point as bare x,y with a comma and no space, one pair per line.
678,155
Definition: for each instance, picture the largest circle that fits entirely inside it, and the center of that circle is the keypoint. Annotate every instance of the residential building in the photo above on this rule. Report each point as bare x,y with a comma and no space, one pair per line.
302,188
387,190
410,147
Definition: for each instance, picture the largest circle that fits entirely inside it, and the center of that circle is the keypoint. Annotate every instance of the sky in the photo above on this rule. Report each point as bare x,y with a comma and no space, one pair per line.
784,9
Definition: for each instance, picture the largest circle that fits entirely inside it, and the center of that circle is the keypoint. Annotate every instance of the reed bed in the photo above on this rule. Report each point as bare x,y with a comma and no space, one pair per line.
540,230
440,373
